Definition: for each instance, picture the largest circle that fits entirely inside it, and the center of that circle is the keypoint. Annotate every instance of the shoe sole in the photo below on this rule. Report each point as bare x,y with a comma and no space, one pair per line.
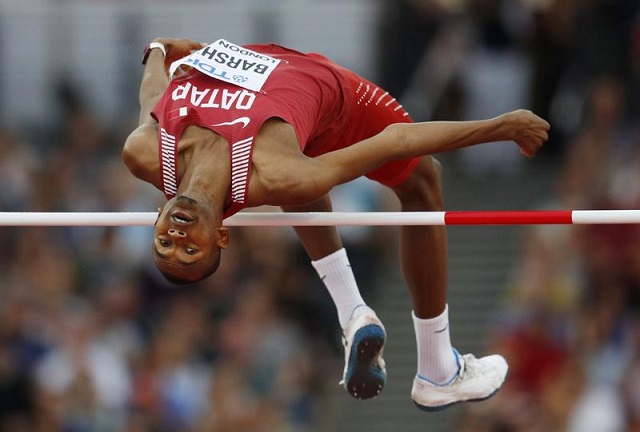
444,407
364,378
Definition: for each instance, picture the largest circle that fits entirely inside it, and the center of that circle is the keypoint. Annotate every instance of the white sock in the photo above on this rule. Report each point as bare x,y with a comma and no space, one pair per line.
436,360
335,271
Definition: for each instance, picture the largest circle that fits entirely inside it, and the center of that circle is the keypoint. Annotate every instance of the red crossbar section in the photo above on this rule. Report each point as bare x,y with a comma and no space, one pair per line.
530,217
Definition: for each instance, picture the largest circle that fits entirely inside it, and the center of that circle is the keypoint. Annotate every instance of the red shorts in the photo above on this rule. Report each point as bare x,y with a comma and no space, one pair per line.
370,110
373,110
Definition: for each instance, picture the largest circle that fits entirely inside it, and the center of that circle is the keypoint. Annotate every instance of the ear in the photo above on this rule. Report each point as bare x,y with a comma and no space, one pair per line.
223,237
157,216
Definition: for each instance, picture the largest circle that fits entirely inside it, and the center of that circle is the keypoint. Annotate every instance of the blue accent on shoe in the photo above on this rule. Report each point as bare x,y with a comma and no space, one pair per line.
443,407
364,378
455,376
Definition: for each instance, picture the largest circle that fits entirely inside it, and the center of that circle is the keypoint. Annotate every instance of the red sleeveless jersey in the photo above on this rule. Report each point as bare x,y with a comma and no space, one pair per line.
328,106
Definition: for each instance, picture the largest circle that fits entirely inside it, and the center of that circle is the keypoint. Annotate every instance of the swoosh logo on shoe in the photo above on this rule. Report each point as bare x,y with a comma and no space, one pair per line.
244,120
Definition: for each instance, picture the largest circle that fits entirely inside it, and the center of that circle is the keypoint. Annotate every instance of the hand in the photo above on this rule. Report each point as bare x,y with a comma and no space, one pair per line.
528,130
178,48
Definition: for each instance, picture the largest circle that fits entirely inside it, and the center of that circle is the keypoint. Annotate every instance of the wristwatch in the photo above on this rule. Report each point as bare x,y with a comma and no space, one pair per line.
149,47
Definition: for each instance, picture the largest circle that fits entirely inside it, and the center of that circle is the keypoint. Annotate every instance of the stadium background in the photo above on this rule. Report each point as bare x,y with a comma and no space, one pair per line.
92,339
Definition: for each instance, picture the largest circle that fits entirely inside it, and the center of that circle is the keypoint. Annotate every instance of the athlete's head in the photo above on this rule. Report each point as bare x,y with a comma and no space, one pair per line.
188,240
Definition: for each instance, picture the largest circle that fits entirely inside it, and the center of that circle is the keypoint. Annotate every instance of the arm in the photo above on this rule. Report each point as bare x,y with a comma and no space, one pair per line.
154,78
523,127
140,152
317,176
407,140
154,82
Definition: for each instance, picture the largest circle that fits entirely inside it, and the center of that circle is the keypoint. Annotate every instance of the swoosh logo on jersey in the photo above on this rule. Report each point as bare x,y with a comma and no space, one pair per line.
244,120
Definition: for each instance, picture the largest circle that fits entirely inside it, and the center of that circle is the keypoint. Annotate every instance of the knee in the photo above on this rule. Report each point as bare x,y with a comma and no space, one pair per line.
422,191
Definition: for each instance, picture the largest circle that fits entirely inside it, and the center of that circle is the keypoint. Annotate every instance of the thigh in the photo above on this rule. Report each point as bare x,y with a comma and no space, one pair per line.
422,188
375,109
318,241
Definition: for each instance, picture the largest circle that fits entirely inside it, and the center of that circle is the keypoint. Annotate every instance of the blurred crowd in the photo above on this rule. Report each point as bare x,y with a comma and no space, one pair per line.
570,326
93,339
571,323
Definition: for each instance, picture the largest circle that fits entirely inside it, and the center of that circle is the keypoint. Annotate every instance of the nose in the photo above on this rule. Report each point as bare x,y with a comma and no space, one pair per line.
176,233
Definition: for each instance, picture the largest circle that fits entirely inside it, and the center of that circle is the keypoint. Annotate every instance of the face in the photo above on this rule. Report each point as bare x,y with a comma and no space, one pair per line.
188,239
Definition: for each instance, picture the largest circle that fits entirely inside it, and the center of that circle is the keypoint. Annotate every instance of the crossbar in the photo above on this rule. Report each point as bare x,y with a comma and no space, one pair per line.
527,217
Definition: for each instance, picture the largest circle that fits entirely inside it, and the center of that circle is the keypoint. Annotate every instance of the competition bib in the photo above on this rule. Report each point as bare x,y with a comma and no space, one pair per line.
230,63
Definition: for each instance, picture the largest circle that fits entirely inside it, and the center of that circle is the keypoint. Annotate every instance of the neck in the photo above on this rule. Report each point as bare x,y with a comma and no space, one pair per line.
207,172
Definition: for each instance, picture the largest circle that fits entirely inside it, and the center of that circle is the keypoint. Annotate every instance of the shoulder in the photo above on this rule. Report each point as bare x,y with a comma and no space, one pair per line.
140,152
139,142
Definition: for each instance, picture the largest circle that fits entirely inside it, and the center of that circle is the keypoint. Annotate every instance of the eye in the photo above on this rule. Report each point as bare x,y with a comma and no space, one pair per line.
191,251
164,242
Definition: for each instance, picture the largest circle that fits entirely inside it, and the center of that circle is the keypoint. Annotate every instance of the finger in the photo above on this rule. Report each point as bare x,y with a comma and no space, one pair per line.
530,147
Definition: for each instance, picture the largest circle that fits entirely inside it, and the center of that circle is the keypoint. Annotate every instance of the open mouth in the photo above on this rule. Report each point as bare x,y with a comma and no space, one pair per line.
181,217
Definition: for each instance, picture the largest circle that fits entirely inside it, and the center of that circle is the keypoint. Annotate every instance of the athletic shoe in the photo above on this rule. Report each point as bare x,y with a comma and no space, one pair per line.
364,369
476,380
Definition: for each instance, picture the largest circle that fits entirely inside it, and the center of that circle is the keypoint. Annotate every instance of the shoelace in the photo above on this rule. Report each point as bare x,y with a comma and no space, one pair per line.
471,366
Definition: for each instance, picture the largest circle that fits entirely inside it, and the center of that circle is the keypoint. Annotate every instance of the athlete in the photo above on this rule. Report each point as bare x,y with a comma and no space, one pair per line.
224,127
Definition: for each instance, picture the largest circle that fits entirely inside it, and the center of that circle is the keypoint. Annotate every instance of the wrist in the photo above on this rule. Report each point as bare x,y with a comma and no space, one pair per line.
505,127
153,45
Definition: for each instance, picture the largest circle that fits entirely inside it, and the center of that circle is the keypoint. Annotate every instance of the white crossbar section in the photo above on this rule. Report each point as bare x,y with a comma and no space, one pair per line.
337,219
586,217
240,219
77,218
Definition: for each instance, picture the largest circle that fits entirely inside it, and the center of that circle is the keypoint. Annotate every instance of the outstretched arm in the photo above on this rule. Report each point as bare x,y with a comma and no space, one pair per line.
407,140
319,175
